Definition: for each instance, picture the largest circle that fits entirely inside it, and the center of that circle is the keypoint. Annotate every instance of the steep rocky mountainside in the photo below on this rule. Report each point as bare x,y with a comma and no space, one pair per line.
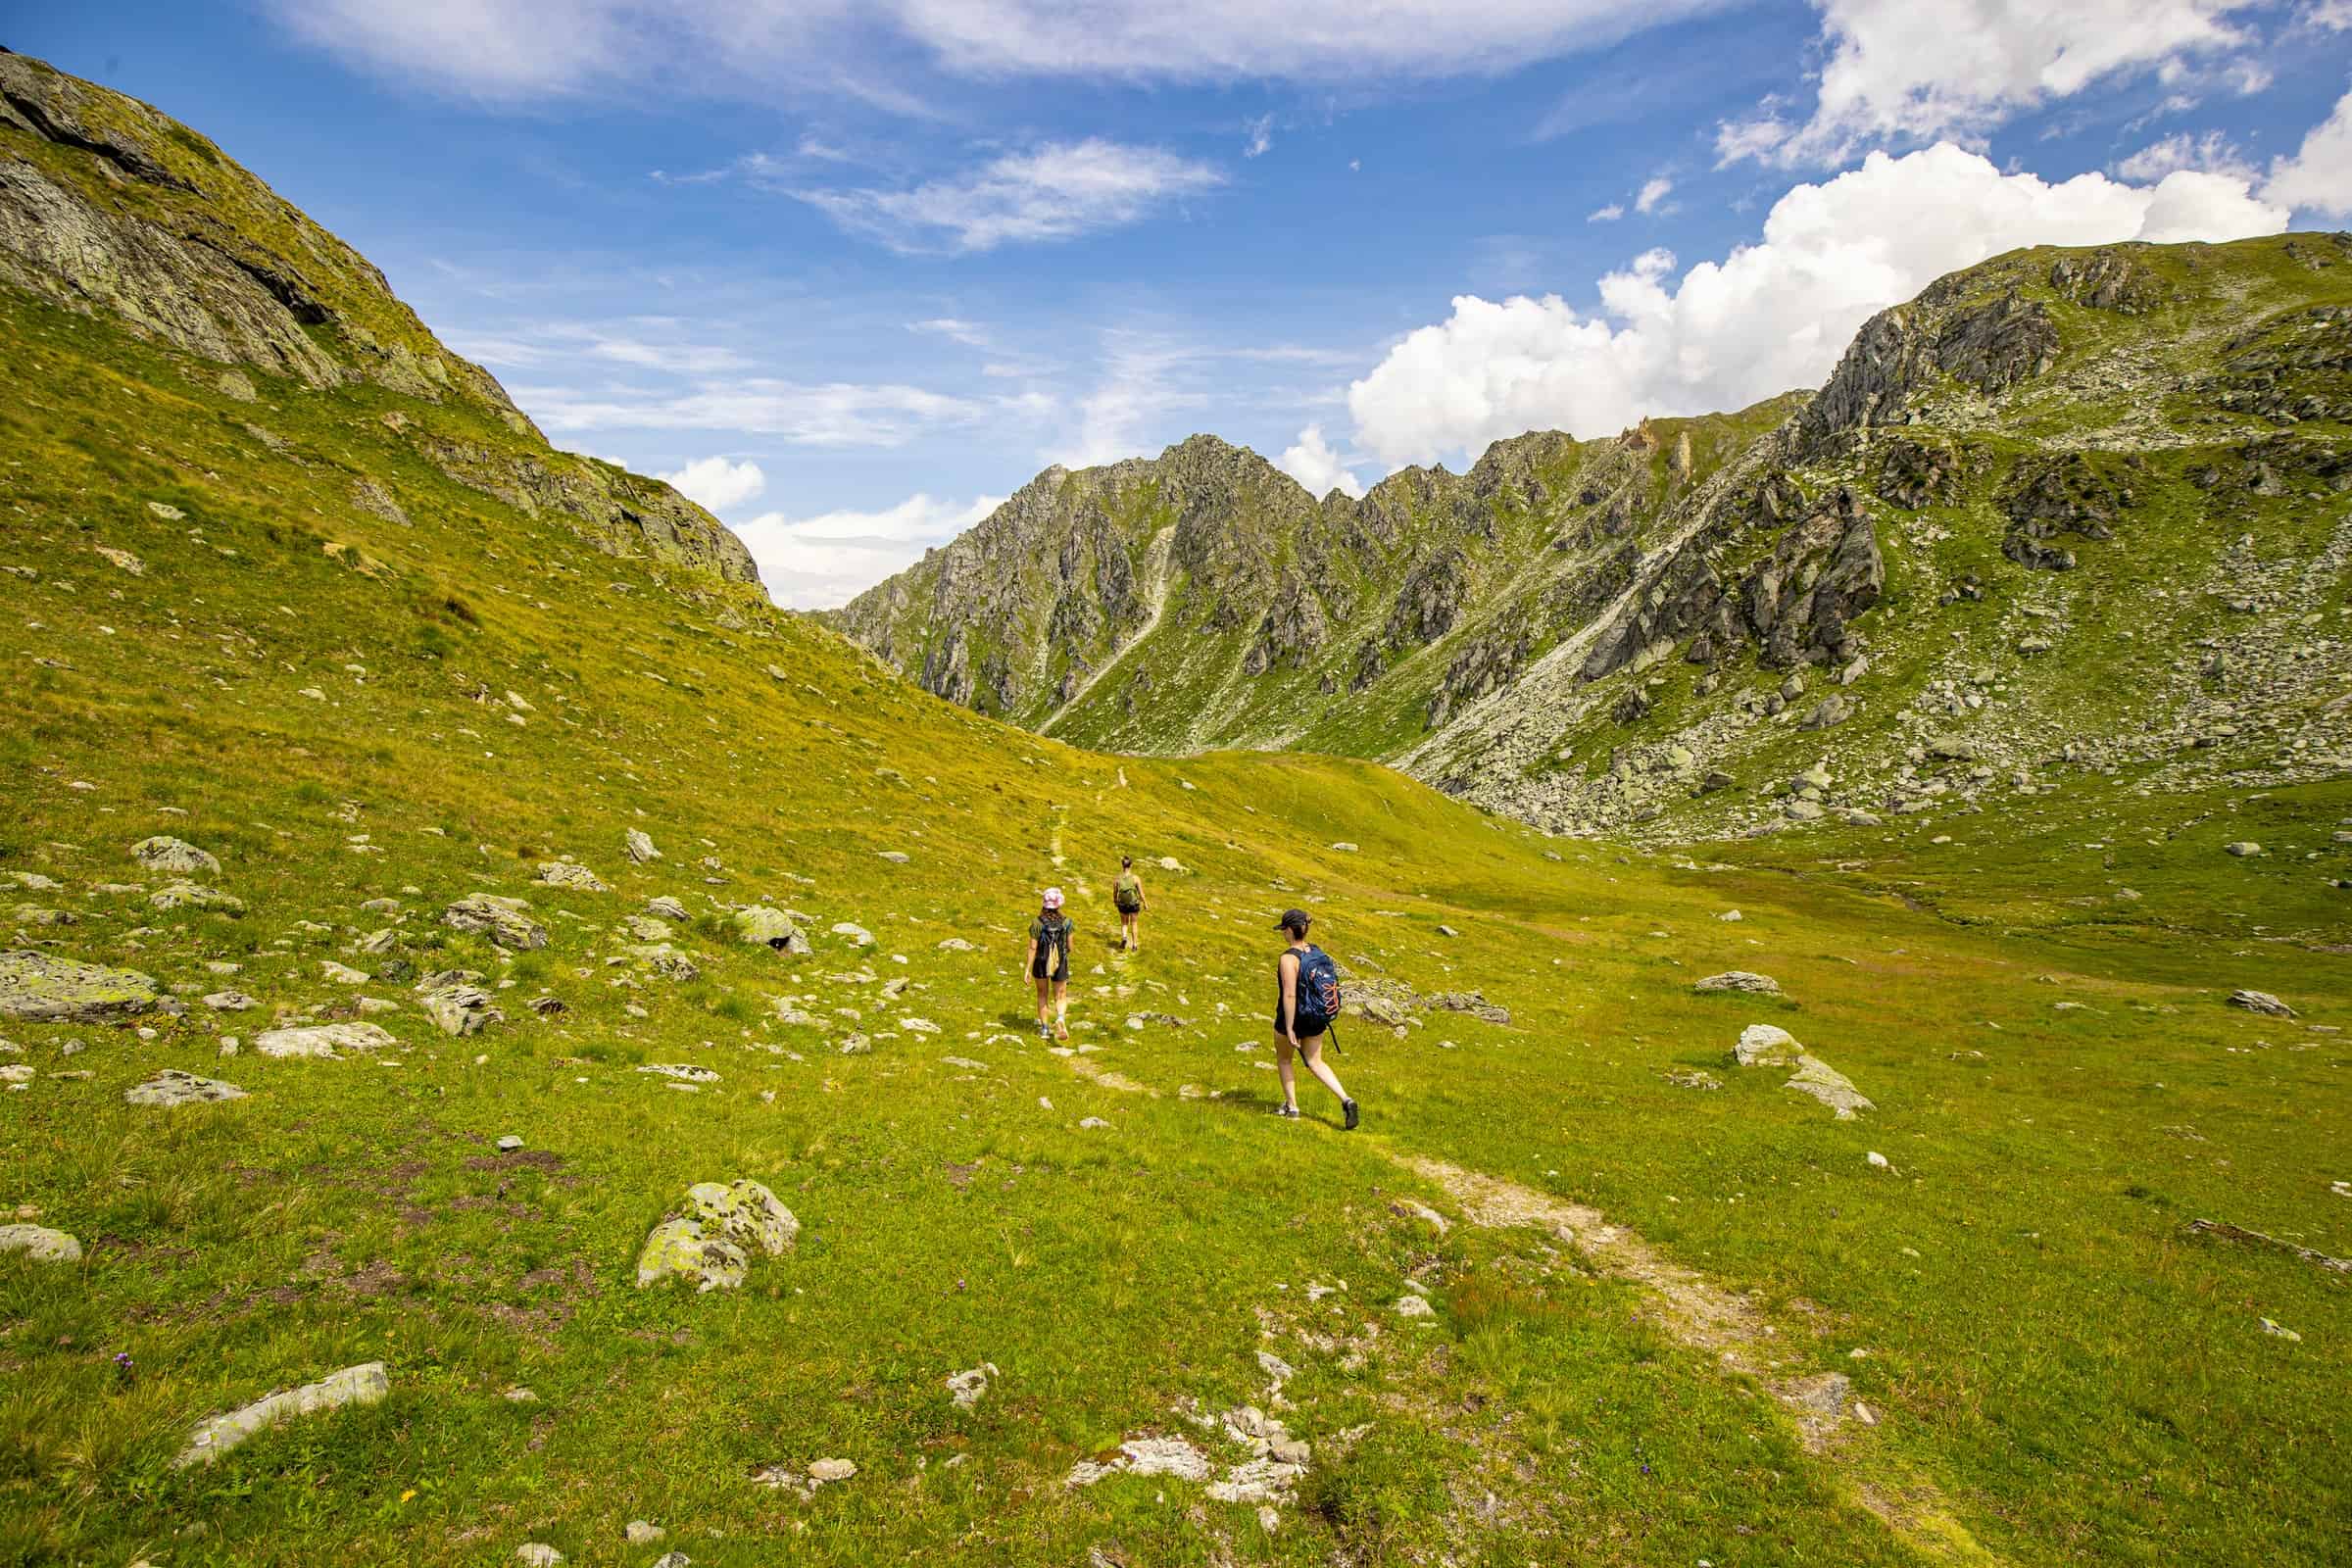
109,208
1203,598
2067,511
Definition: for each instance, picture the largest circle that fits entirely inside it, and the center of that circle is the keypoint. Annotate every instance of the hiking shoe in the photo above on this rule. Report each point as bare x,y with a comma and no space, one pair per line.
1044,1030
1062,1031
1349,1107
1287,1113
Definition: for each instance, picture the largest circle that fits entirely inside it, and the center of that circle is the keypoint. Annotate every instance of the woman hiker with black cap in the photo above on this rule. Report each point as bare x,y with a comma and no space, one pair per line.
1307,990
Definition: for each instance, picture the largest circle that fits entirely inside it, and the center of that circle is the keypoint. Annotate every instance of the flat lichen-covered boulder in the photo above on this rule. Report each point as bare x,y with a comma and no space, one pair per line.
711,1245
365,1384
172,1087
193,896
179,856
43,988
323,1040
41,1243
502,921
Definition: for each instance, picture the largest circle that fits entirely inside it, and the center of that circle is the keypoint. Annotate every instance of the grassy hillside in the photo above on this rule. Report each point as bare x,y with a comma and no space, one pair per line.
1674,1310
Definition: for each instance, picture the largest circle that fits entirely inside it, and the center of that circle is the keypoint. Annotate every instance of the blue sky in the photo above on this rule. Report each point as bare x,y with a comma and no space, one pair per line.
851,271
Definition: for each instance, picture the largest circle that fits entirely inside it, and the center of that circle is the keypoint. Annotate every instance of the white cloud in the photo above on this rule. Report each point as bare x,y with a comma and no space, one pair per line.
1142,382
1653,192
832,413
715,484
2317,179
2246,77
2329,16
820,561
1910,70
1606,214
971,334
1312,463
1768,317
516,49
1262,137
2212,152
1054,191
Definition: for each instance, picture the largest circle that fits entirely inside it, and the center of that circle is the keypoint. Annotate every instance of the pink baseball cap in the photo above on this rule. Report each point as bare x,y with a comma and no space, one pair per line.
1053,897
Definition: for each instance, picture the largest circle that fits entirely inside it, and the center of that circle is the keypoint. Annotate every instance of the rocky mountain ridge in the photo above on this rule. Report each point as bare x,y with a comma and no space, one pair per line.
111,208
1924,588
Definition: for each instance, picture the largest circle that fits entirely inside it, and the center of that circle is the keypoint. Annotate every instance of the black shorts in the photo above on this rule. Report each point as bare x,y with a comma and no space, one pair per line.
1309,1028
1037,971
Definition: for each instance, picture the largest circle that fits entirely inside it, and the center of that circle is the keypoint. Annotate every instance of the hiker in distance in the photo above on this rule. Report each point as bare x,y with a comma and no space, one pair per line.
1049,964
1306,1004
1128,894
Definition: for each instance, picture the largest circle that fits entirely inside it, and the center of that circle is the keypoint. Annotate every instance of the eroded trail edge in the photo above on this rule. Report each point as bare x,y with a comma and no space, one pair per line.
1738,1334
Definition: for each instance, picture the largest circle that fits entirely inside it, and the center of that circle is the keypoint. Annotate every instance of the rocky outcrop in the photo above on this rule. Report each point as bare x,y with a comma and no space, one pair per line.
1988,345
44,988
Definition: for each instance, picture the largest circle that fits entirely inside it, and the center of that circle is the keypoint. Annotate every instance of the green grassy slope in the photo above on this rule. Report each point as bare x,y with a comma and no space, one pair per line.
417,701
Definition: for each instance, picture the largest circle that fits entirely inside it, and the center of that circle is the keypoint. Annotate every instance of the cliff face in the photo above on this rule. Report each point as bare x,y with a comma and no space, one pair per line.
2066,511
111,209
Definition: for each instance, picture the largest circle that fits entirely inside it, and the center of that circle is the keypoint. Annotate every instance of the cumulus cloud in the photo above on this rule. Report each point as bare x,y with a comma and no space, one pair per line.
1312,462
1653,192
537,48
1767,318
2317,179
1912,71
1606,214
715,484
824,560
1051,192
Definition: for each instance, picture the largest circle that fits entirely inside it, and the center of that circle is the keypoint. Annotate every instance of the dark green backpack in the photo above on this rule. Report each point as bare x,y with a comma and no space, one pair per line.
1128,892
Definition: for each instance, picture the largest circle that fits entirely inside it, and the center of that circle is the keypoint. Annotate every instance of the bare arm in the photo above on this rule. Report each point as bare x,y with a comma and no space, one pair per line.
1029,959
1287,966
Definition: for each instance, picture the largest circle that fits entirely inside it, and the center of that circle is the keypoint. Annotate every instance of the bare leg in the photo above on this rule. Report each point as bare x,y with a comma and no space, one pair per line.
1312,1051
1045,992
1290,1078
1061,1009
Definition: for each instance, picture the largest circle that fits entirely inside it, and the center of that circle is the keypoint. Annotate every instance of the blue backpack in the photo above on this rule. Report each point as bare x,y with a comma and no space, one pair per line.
1318,988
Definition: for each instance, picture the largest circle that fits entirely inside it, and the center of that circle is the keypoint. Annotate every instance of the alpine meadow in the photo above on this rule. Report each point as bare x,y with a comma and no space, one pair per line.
516,1048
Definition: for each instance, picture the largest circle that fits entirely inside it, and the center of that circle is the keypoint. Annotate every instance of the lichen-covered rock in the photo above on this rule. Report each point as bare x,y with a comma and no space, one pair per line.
179,856
659,957
768,927
1766,1045
640,846
191,895
44,988
172,1086
325,1040
1831,1088
41,1243
503,920
1762,984
677,1249
746,1214
460,1009
365,1384
2261,1002
570,874
710,1244
665,907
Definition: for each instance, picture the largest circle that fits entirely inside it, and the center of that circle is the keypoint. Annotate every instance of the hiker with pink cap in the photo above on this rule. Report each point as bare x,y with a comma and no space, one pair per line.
1049,966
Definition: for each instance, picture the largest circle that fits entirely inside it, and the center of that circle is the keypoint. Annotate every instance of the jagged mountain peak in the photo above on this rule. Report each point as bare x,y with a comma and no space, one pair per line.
1638,628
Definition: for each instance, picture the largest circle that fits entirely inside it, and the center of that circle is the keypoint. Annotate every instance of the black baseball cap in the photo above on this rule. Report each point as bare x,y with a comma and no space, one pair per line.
1293,920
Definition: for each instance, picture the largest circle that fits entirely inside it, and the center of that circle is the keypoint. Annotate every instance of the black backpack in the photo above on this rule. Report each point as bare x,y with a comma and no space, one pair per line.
1056,935
1318,988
